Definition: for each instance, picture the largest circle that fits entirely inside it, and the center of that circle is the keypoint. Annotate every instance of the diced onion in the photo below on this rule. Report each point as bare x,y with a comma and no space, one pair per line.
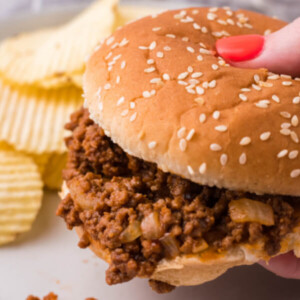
131,233
200,246
170,245
246,210
151,227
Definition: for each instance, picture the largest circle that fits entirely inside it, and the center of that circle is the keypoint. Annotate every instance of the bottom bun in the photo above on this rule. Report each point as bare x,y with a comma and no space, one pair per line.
188,270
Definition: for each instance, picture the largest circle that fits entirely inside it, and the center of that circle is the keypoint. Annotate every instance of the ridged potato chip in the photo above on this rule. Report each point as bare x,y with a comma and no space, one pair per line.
32,120
128,13
52,175
51,58
21,191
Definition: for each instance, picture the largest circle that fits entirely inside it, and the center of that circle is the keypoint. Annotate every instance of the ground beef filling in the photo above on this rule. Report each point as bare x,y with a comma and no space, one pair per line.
142,214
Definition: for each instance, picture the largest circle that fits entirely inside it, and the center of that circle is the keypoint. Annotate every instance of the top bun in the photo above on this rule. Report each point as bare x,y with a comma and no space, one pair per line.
159,91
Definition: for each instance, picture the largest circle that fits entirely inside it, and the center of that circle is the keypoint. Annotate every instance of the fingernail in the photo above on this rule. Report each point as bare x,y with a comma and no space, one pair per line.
241,47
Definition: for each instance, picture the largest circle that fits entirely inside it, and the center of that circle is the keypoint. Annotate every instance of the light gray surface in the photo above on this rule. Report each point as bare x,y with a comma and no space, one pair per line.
47,258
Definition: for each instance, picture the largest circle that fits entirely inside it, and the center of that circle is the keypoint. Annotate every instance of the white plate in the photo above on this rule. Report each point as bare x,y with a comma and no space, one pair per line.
48,259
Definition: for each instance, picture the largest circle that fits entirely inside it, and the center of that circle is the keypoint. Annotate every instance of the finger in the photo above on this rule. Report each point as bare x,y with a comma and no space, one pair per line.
278,52
286,265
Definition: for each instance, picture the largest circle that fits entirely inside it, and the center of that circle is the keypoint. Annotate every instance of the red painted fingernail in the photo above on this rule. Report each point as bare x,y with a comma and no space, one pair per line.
241,47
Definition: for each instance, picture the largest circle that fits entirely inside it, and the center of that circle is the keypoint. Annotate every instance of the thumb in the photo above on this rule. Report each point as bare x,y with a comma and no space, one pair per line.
278,52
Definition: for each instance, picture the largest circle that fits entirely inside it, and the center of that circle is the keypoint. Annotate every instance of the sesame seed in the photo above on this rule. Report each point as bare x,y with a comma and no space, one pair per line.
200,90
203,168
124,42
265,84
202,118
166,76
196,26
195,11
200,58
182,145
110,40
243,159
211,16
183,75
282,153
213,9
146,94
285,125
294,137
107,86
172,36
190,170
245,90
229,13
215,147
273,77
265,136
256,78
117,57
262,104
285,131
256,87
185,39
187,20
143,48
214,67
118,79
133,117
286,76
181,132
267,32
223,159
199,100
124,112
190,49
295,121
149,70
216,115
160,54
293,154
248,26
204,29
108,55
182,82
190,134
152,145
152,46
155,80
221,128
287,83
156,29
222,22
296,100
295,173
150,61
285,114
245,141
98,93
204,51
123,64
167,48
276,98
101,106
190,69
230,21
212,84
243,97
191,91
120,101
205,84
197,75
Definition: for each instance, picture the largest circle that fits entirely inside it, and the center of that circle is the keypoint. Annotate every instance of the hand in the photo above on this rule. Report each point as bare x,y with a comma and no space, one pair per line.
278,52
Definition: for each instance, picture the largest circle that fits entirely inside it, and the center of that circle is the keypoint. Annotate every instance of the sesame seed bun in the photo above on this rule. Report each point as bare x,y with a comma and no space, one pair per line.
162,94
190,269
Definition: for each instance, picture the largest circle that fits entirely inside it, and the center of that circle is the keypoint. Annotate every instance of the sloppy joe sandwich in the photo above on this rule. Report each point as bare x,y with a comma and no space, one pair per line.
181,166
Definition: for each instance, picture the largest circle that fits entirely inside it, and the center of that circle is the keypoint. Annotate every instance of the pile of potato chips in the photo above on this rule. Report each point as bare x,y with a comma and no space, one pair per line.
40,86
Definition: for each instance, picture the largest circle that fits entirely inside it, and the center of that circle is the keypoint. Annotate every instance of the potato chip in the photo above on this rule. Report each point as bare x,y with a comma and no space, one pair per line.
126,14
52,175
41,161
21,191
32,120
51,58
